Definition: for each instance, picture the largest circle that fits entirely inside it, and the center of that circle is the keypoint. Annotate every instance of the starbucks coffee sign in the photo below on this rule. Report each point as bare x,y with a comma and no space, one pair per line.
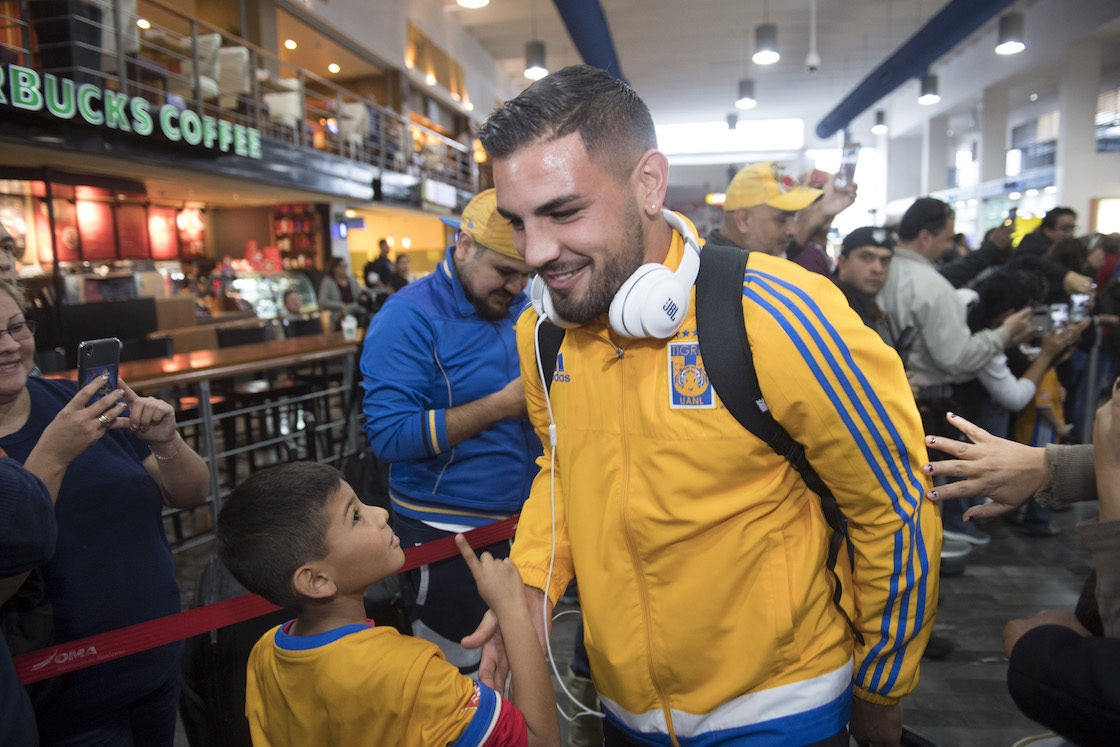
27,89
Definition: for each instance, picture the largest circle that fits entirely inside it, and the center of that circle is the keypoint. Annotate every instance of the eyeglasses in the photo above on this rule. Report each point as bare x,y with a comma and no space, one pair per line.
20,331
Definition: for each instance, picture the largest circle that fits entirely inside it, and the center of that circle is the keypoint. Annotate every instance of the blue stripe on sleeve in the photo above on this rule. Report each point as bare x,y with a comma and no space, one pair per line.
482,722
769,282
915,483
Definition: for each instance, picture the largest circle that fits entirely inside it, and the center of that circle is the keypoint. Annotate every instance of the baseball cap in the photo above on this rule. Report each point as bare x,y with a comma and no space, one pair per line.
767,183
921,214
485,225
867,236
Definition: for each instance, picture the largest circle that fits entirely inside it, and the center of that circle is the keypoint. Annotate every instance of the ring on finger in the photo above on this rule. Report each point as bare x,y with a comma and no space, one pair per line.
103,419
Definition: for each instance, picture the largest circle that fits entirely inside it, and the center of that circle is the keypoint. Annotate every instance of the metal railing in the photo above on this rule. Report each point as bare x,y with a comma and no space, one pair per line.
238,435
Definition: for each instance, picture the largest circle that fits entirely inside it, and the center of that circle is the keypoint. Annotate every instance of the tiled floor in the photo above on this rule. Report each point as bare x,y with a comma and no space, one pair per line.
961,701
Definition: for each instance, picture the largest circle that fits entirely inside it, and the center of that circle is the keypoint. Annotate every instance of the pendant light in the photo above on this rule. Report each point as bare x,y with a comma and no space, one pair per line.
535,67
880,126
1011,34
929,95
746,98
766,44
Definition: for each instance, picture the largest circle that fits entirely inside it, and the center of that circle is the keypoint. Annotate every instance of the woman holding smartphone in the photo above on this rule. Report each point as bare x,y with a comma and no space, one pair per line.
118,461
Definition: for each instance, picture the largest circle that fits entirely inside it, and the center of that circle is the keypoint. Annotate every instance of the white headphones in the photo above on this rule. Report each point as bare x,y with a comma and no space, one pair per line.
653,302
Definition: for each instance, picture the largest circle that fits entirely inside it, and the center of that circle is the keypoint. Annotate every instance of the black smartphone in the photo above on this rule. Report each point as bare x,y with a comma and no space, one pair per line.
1009,221
1059,315
1040,318
846,176
1079,307
96,357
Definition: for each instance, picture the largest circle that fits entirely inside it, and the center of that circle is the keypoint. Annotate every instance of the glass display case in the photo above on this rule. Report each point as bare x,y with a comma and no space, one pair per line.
264,292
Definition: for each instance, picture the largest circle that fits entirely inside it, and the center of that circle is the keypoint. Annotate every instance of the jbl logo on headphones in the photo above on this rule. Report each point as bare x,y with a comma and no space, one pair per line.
671,309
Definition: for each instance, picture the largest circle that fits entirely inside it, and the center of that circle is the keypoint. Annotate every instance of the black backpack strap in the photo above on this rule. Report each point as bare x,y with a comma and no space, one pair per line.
549,339
729,364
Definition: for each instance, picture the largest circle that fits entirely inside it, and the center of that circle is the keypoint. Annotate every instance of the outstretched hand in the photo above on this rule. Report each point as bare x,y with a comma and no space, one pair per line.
498,580
1007,472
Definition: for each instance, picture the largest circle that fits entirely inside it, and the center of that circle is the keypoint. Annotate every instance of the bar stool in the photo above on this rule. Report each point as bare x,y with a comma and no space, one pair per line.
258,390
320,380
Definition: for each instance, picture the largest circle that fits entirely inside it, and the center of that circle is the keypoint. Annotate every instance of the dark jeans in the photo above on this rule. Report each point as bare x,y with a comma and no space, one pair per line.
442,595
146,722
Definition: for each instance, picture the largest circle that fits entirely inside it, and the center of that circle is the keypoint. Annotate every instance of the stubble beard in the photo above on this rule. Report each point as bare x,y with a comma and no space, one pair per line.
607,275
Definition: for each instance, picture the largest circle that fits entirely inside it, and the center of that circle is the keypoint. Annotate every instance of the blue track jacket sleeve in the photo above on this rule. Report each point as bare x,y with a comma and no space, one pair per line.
398,364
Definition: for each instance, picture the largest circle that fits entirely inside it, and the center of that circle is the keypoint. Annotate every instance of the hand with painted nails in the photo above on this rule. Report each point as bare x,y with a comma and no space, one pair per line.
1006,471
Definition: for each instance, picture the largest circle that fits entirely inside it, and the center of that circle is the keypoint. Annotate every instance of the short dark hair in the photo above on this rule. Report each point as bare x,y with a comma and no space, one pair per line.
1005,290
612,121
1050,220
1069,252
926,213
273,523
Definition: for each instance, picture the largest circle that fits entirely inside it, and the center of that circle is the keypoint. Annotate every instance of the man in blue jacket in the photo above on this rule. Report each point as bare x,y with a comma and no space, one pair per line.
444,406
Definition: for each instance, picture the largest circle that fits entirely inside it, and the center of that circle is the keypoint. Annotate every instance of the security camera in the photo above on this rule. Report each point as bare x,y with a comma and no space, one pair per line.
812,62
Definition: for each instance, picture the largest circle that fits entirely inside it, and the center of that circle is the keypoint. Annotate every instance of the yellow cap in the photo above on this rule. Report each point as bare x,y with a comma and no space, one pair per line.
767,184
482,221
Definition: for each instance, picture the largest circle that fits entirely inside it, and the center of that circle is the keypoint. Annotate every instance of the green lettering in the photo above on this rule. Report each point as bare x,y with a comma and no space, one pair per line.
225,135
114,111
86,93
209,131
167,114
62,106
192,127
254,143
141,116
240,140
25,91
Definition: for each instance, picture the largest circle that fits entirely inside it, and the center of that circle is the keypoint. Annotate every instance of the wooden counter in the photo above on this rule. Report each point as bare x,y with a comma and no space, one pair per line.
220,363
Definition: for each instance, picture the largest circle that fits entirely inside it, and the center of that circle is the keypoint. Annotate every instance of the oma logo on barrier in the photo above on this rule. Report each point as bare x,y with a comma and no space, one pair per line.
62,657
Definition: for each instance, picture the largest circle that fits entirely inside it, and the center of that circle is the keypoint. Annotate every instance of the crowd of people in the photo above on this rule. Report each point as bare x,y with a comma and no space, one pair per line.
722,600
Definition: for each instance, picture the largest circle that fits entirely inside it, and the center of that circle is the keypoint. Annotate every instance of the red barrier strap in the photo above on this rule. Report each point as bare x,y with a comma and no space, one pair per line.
113,644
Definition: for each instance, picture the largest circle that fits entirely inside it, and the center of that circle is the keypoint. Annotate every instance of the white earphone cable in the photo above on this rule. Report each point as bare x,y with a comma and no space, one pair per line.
582,710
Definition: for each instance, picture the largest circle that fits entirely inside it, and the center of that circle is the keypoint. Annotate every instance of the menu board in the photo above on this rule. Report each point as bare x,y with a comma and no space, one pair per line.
132,232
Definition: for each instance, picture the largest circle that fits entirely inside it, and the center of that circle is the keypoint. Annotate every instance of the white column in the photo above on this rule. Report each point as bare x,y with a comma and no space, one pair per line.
994,109
935,154
1075,161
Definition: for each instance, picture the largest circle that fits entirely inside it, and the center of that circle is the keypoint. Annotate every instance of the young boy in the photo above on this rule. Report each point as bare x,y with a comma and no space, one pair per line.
297,535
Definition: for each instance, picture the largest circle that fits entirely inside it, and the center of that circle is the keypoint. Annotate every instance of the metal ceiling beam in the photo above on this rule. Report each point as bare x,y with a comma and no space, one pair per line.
955,23
587,26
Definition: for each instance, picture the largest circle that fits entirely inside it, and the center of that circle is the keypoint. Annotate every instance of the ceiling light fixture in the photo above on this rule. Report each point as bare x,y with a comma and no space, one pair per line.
746,98
929,95
143,23
732,121
472,4
535,67
289,44
766,44
880,126
333,67
1011,34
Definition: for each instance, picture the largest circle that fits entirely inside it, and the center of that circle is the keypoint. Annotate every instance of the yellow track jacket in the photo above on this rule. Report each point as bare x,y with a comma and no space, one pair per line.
700,553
